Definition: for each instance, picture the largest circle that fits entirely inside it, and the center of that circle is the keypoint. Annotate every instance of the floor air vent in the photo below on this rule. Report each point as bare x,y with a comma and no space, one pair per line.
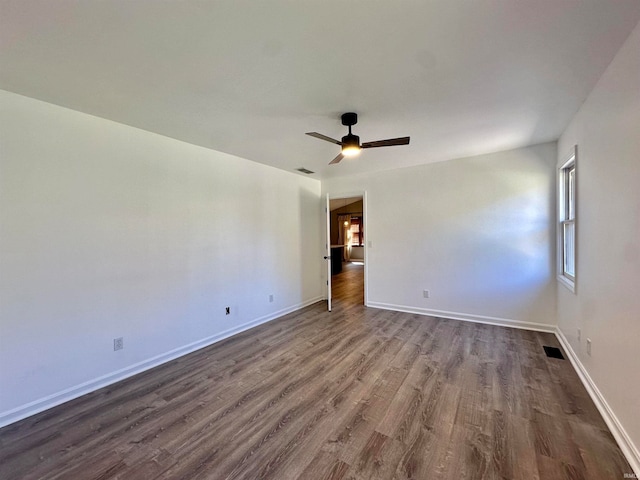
553,352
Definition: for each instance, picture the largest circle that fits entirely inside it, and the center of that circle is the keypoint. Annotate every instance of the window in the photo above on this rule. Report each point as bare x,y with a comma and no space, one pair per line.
567,221
357,234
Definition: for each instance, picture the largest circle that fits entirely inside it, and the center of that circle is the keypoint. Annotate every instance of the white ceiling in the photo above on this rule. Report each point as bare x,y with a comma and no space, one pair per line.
250,77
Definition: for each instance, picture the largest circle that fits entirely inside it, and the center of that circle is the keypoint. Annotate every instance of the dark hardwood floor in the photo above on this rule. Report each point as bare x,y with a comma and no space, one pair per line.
358,393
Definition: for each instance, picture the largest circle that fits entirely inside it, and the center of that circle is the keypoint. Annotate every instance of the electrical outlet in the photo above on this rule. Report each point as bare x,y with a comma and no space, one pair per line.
588,346
425,293
579,334
118,343
271,298
227,310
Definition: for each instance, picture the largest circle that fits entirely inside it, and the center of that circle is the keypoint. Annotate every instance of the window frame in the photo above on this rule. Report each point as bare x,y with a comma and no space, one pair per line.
567,216
360,233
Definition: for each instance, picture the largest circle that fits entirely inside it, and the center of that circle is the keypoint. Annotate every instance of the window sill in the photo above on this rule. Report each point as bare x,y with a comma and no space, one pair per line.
569,284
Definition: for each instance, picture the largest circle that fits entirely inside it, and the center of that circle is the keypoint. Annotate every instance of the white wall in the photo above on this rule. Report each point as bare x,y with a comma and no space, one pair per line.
109,231
606,305
478,233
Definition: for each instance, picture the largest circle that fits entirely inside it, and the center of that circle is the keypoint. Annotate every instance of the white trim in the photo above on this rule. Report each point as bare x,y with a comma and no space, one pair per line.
365,221
567,283
37,406
328,267
467,317
625,443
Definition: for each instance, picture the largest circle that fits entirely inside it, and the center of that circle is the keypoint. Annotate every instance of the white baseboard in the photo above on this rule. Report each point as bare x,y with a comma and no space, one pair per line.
76,391
625,443
467,317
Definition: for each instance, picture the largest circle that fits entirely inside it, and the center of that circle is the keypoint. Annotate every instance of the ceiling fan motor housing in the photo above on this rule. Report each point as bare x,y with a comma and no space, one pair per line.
350,140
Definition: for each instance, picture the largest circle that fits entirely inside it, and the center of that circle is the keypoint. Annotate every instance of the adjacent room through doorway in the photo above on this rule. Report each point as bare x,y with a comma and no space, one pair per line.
347,240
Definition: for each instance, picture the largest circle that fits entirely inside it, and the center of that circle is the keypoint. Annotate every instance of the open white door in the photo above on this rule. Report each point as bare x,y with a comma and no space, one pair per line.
327,257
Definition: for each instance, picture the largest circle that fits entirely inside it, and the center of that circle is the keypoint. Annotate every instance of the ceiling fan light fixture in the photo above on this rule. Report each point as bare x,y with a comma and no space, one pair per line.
351,150
350,145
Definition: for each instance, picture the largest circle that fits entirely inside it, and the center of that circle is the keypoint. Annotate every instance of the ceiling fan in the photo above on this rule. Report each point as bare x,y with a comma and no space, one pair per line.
351,143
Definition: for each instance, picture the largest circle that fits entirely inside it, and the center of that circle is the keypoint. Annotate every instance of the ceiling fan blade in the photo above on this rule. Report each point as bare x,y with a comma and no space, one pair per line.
387,143
337,159
324,137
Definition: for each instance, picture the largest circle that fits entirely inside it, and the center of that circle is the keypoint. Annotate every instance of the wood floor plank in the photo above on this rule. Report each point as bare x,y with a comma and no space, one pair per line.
466,456
320,466
356,393
420,457
350,438
378,459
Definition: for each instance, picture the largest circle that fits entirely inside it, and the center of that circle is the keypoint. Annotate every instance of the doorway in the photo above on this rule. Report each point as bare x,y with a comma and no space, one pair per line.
346,250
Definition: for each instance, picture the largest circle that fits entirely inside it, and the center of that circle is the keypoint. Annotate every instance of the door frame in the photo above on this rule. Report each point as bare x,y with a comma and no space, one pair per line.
367,239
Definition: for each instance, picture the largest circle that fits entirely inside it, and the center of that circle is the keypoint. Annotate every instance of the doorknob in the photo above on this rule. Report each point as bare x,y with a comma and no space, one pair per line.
327,258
